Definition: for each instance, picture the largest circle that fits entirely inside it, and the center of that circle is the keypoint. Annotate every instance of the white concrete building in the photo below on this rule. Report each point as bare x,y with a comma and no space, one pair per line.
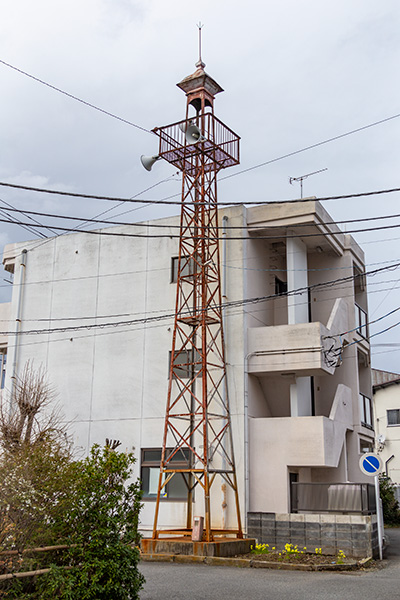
99,311
387,421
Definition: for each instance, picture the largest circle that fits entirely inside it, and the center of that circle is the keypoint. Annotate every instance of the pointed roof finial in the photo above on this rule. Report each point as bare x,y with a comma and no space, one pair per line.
200,63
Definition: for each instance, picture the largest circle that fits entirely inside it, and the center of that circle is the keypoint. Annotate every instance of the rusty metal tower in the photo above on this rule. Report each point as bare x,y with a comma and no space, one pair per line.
198,433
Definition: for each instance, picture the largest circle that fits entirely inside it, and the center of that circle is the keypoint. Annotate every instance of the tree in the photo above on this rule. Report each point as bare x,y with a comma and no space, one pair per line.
390,506
29,416
102,527
47,498
35,462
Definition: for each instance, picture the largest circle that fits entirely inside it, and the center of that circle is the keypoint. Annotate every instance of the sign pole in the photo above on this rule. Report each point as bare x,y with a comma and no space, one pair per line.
371,464
379,516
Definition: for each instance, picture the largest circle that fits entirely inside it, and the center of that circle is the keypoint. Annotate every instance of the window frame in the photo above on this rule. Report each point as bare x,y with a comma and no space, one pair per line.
187,271
155,464
183,370
392,410
361,323
281,287
369,446
366,410
3,366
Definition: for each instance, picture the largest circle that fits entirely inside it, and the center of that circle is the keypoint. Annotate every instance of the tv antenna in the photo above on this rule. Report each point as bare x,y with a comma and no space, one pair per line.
302,177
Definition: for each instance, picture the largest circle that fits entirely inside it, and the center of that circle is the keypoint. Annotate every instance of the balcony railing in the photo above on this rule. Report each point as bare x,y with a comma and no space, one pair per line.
342,498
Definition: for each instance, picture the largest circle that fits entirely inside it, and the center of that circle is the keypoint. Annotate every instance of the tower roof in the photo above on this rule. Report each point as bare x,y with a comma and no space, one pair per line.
200,80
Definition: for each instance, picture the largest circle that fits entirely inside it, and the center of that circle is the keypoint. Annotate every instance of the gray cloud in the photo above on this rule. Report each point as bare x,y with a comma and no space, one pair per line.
294,73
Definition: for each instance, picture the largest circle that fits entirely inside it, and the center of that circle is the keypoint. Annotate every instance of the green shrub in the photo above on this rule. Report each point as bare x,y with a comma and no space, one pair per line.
101,528
390,506
47,498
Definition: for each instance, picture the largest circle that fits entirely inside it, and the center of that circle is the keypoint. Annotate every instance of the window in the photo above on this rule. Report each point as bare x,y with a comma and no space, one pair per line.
183,363
186,267
366,411
366,446
359,280
393,416
176,488
361,322
3,362
280,287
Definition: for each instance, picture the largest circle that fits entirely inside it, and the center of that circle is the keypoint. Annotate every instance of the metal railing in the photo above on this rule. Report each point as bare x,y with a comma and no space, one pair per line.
342,498
218,144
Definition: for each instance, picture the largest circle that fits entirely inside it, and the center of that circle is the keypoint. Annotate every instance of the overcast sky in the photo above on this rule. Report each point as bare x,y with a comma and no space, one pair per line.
295,73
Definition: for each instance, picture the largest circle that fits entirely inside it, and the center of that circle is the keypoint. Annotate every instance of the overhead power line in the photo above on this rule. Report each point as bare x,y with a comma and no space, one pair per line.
388,314
169,226
231,304
107,233
253,313
316,145
168,269
53,87
263,164
27,228
179,202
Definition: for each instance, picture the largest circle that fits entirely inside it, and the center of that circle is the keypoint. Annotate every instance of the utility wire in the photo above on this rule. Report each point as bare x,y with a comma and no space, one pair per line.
29,228
344,347
94,219
327,141
111,332
233,303
179,202
26,227
53,87
169,226
366,324
106,232
119,331
263,164
163,269
85,221
253,313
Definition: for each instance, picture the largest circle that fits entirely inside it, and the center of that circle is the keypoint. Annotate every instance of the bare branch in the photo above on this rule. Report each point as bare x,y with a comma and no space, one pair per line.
27,417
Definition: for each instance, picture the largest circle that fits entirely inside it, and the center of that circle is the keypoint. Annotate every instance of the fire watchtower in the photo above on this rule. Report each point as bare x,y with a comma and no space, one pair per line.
197,432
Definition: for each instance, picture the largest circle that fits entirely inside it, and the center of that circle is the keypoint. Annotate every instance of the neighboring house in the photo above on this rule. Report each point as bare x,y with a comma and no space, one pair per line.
386,397
5,309
298,356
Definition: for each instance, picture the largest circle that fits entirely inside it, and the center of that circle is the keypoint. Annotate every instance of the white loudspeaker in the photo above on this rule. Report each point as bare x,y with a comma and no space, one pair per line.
148,161
183,126
193,135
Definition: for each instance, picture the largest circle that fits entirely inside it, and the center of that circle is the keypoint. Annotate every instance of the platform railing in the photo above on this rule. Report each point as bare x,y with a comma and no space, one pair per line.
339,498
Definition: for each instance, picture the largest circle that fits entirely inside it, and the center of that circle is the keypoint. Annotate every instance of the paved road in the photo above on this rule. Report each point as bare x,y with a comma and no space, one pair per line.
168,581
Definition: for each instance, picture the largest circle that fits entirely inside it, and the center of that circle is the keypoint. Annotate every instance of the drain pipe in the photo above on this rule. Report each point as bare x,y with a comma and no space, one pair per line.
246,438
224,389
17,323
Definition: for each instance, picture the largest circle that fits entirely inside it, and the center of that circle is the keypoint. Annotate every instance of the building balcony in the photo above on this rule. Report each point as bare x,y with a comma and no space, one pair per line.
306,441
300,350
295,442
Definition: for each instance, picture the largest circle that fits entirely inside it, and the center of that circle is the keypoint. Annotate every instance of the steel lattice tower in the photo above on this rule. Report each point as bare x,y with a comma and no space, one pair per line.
197,421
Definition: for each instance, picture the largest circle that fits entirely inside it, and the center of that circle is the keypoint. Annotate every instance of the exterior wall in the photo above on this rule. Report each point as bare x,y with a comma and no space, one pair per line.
386,398
356,535
112,381
309,442
5,310
290,355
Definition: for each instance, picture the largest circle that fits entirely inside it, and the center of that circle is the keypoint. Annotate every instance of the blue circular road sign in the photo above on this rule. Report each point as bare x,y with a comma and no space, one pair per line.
371,464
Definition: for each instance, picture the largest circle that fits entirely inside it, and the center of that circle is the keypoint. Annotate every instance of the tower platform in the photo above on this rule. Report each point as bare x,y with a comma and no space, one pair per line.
221,547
